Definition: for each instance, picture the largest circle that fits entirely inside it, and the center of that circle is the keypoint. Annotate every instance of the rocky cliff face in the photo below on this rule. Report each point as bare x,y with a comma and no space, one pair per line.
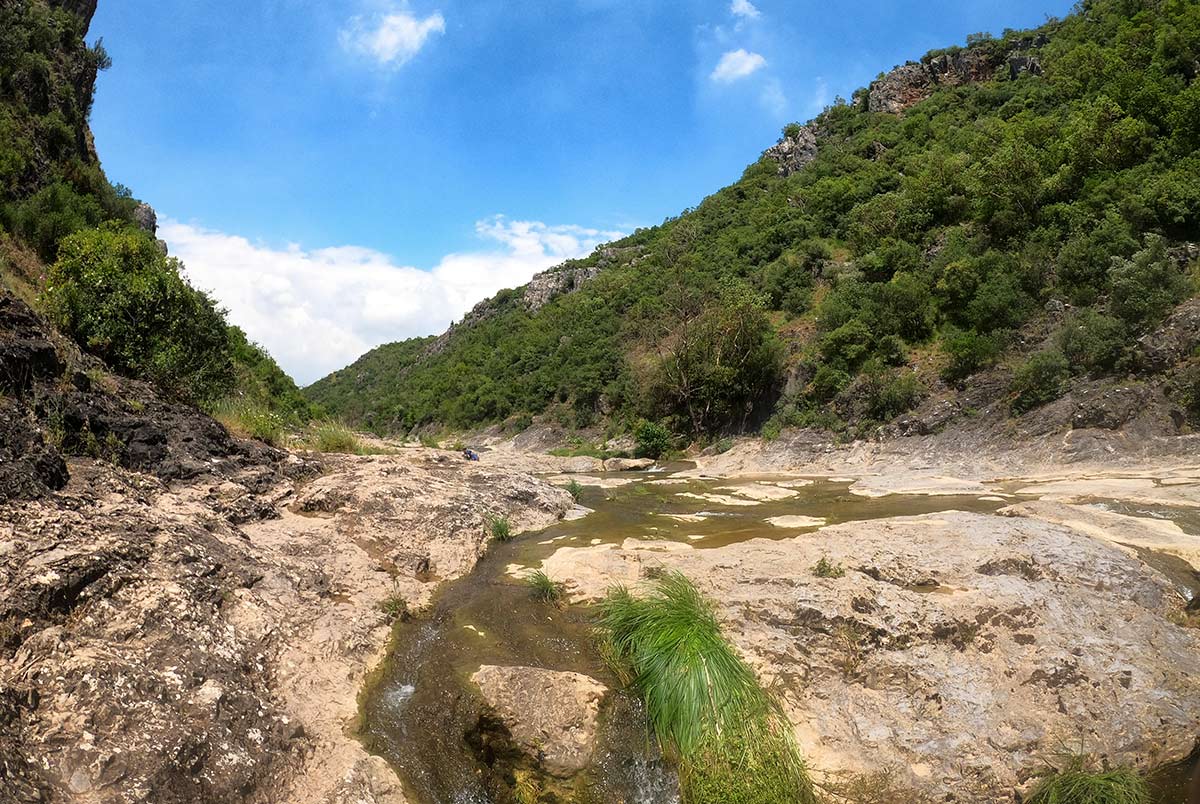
795,150
913,82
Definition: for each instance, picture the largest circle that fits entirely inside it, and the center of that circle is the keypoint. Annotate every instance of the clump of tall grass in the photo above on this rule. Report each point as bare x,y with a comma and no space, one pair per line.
330,435
575,489
730,738
500,528
250,419
1075,783
545,589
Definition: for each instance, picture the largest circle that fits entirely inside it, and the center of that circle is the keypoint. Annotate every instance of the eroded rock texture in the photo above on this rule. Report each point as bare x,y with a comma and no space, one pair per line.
960,648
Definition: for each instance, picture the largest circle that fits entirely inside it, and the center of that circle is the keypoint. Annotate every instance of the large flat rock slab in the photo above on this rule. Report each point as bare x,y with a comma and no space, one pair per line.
962,649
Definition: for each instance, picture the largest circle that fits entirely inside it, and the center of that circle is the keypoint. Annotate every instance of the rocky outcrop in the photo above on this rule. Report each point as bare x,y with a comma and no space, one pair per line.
796,150
205,640
959,649
913,82
551,716
1175,340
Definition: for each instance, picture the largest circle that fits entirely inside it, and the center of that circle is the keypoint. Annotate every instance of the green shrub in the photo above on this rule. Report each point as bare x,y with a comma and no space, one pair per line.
544,589
395,607
730,737
653,439
1075,784
500,528
1145,287
1187,392
1039,380
824,568
828,382
890,393
1094,342
969,352
122,300
575,489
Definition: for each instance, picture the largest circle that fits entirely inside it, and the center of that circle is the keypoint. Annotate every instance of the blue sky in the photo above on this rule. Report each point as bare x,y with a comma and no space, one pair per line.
350,172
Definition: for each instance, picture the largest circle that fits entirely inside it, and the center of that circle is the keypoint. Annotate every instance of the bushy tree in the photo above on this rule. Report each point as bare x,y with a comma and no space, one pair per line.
1145,287
1040,379
124,301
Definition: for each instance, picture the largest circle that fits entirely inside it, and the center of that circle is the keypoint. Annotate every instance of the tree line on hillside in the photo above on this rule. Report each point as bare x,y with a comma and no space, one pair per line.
942,231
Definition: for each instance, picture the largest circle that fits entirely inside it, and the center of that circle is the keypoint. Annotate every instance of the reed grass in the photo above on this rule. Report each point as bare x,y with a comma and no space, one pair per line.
729,736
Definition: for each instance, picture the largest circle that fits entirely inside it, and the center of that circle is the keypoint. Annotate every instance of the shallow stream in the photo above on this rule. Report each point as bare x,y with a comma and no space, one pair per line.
420,711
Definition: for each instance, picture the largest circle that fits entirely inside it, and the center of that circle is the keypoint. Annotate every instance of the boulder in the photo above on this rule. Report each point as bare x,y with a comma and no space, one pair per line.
627,464
552,716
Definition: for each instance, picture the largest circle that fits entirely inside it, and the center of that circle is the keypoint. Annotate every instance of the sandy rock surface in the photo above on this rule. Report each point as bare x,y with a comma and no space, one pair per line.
963,649
206,641
552,716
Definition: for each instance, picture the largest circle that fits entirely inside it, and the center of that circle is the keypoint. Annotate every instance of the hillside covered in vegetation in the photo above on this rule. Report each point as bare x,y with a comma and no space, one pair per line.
1021,206
83,251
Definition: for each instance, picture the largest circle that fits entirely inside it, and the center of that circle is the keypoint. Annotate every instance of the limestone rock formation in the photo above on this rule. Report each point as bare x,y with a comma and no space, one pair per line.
552,716
913,82
628,464
960,648
795,150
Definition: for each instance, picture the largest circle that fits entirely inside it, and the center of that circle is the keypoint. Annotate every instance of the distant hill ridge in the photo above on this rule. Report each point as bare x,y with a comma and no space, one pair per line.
1013,218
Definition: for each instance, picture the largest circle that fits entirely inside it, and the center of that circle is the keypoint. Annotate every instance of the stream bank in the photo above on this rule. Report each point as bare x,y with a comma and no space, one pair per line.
951,621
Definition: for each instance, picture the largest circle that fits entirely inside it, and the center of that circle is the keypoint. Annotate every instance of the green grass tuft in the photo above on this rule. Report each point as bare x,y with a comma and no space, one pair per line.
575,488
500,528
545,589
730,737
250,419
331,435
1077,784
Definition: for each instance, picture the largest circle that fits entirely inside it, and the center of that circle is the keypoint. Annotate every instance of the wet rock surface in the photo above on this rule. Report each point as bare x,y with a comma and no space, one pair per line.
552,717
962,649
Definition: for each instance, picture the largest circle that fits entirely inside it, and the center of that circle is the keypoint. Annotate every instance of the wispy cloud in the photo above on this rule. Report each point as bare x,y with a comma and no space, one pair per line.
390,39
317,310
737,64
773,97
820,97
744,8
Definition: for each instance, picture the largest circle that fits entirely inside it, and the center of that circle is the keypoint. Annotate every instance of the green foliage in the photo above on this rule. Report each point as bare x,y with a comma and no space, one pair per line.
1039,380
500,528
1187,392
1145,287
331,435
544,589
250,419
970,351
730,737
575,489
1094,343
116,294
1075,784
889,393
824,568
395,607
653,439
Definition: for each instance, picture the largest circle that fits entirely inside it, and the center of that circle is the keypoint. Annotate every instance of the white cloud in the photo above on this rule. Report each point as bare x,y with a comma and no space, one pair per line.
737,64
744,8
391,39
820,97
317,311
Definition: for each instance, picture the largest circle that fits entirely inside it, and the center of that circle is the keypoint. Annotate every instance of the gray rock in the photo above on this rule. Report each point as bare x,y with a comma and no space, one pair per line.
552,716
627,464
146,218
794,152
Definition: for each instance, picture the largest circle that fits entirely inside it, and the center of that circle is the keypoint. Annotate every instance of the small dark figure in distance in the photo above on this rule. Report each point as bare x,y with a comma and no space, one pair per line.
470,454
